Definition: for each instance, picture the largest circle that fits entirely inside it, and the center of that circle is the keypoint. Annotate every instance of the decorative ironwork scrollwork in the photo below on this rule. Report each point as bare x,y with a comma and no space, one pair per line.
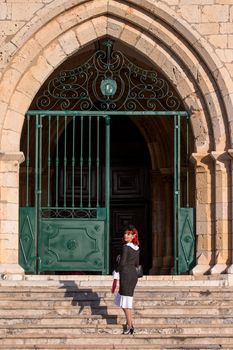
63,213
108,81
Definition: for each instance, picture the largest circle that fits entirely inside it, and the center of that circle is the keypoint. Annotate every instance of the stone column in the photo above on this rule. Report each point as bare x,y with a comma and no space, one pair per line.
221,211
204,215
230,152
9,213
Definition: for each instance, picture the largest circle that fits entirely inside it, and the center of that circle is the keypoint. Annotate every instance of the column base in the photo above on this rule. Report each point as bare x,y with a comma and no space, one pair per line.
11,272
218,268
200,270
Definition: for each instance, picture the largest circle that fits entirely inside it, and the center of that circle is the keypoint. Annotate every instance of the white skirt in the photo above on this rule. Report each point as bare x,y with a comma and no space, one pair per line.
123,301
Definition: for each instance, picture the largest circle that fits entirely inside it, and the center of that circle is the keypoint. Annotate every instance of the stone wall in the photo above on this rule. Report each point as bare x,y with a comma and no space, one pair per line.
190,40
212,19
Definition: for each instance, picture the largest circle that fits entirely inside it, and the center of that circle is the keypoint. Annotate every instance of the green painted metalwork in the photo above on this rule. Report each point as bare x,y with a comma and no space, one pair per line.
89,165
37,192
107,189
56,225
107,85
187,161
49,159
80,212
65,161
73,244
27,239
28,158
81,163
110,113
57,159
115,83
73,161
186,240
176,191
98,162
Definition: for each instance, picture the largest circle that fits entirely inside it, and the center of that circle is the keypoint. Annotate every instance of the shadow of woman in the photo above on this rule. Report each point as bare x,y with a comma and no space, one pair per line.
86,299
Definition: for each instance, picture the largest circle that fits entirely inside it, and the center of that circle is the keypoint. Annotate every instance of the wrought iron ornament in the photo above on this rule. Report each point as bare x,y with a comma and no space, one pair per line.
108,81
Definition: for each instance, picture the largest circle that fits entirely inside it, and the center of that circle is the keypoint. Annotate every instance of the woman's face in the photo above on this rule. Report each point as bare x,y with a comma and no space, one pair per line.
128,236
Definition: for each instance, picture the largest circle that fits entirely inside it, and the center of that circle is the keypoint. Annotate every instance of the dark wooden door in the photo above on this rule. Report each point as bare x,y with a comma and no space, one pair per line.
129,205
130,188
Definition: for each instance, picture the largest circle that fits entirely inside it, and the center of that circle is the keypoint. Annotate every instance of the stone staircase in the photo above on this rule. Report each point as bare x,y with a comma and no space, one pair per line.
57,312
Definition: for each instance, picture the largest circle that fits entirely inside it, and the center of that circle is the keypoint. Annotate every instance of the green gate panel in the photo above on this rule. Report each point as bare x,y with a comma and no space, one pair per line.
27,245
74,245
186,240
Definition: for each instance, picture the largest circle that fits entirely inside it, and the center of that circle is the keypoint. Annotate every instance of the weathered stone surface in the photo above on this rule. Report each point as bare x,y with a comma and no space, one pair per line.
69,42
86,33
189,41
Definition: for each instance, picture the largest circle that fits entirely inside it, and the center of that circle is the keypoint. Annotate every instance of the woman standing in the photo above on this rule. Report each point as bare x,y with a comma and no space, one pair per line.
128,275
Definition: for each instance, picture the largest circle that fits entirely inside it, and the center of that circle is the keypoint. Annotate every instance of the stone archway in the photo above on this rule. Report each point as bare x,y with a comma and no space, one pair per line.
158,136
186,62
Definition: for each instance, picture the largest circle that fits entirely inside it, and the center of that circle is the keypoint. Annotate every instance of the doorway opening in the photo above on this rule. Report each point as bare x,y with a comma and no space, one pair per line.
99,155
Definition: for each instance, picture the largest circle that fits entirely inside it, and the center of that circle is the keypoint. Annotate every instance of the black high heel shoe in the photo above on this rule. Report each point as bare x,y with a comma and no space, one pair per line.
128,330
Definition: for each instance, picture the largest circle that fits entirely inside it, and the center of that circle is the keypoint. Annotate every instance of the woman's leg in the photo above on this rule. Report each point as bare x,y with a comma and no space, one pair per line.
128,315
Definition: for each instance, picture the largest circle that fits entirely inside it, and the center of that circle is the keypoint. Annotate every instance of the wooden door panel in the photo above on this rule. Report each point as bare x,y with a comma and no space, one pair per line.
128,183
121,217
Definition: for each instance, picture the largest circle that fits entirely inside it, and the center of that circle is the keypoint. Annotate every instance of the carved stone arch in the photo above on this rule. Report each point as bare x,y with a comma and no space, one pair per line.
94,23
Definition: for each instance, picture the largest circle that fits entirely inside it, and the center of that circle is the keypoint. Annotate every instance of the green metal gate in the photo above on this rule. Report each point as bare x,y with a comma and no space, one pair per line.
67,229
64,222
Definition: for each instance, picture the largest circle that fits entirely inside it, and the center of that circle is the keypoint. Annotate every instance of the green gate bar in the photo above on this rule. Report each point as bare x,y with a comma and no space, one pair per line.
27,159
65,162
36,193
73,161
81,163
57,159
49,160
97,162
187,161
89,164
107,190
176,191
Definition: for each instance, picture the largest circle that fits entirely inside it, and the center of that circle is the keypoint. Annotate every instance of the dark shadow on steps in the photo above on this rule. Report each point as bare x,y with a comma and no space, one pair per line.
87,301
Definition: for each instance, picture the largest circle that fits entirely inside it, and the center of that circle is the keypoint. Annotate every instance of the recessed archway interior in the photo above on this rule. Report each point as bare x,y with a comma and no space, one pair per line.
142,160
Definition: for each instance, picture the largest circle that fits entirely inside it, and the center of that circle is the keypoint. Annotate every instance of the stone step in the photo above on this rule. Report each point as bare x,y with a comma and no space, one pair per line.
113,346
140,340
87,294
80,314
114,310
114,319
44,331
69,303
100,281
68,286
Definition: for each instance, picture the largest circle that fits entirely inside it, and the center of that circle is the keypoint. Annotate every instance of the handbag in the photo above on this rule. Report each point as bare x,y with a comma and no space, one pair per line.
139,271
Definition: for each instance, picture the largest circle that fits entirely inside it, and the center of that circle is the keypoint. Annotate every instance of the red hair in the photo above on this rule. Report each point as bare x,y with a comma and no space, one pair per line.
134,232
135,239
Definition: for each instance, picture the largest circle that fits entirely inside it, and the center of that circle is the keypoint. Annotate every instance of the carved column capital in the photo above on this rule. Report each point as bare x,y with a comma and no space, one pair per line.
201,160
221,159
12,156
